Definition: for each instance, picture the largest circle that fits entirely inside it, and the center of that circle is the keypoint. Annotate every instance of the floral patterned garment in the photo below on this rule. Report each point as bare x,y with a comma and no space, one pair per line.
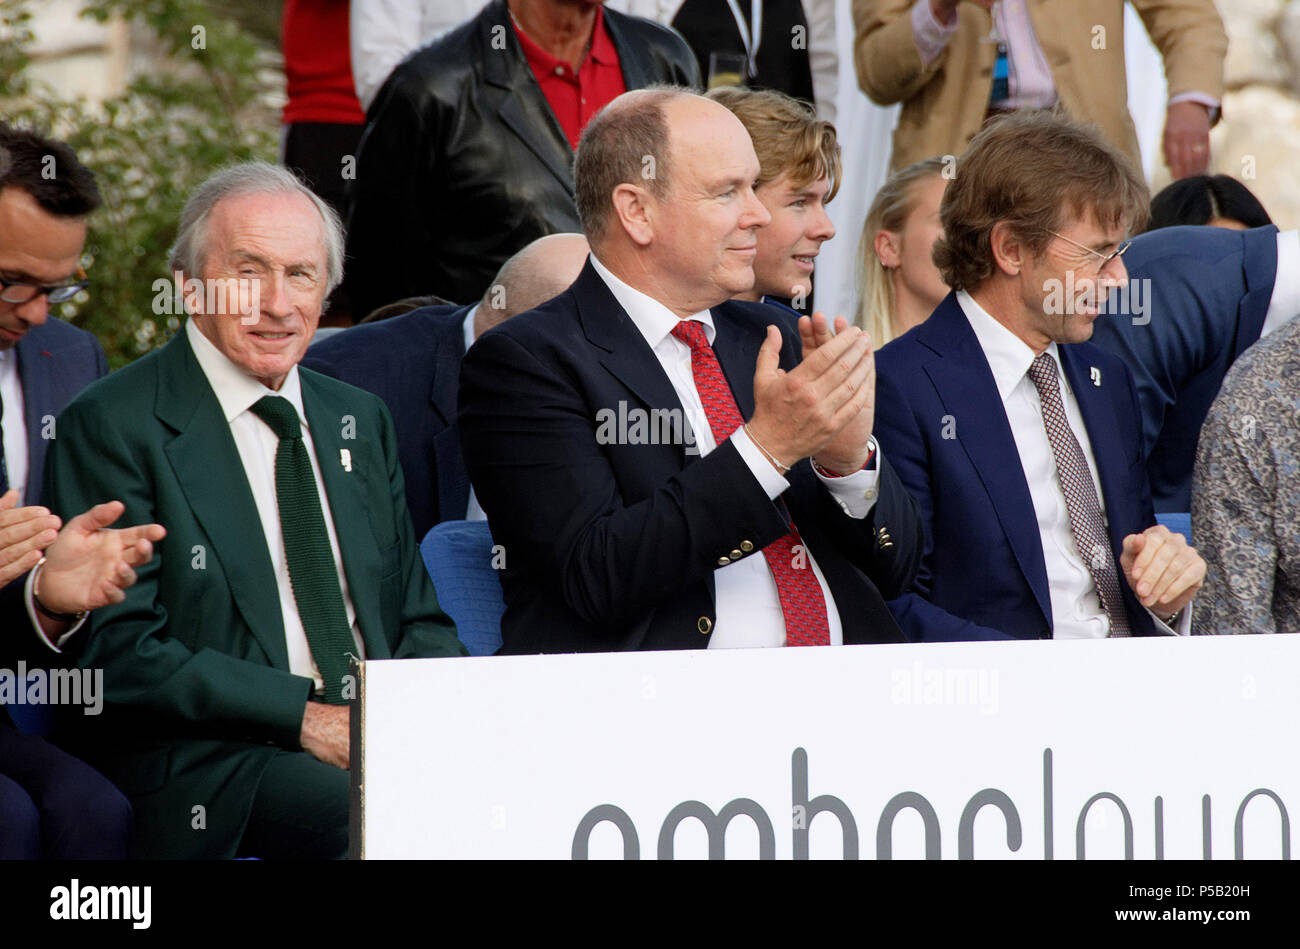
1246,494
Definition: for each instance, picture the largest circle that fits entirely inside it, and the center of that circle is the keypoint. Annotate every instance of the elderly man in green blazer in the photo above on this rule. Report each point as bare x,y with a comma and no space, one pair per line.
289,545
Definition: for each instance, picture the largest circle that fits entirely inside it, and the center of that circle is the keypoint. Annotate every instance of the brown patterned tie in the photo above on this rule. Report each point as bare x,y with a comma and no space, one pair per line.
802,602
1080,492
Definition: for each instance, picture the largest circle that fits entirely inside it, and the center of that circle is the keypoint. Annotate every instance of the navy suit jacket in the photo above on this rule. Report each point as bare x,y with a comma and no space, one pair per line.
1209,293
940,420
611,545
55,362
412,362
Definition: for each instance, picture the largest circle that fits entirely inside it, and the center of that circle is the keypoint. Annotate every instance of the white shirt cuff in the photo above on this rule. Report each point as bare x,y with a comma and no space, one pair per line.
29,598
769,478
856,493
1183,628
1209,102
1284,304
930,35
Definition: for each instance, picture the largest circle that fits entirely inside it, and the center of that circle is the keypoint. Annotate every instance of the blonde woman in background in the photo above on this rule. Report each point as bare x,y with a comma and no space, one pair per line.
901,285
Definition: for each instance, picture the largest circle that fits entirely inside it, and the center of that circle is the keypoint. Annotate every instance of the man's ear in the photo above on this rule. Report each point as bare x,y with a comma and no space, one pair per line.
1010,255
888,248
633,207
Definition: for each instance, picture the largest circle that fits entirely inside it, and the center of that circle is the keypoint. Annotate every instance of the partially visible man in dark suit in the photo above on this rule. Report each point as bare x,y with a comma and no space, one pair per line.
468,150
289,544
51,804
412,362
1003,420
1196,299
605,432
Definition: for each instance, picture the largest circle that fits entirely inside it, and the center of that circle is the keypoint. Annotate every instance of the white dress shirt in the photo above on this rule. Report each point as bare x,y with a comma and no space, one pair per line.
15,427
257,444
473,511
1284,304
1076,607
747,605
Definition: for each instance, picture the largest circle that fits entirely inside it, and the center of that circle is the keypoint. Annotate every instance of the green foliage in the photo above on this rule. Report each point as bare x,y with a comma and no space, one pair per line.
205,103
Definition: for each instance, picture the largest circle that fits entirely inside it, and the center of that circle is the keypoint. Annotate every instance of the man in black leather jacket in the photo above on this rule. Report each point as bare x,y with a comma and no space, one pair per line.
463,161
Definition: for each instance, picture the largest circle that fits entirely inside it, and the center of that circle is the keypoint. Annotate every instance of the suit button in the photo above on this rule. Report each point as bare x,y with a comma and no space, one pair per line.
704,625
736,555
746,546
723,561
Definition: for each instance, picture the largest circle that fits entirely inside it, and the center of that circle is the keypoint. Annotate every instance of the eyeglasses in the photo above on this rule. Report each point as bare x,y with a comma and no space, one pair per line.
57,293
1104,258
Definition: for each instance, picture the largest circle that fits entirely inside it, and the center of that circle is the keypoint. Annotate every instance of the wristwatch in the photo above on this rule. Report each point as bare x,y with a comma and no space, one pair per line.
70,618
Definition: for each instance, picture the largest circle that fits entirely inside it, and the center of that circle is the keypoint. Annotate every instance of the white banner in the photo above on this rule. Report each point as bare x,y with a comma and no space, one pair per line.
1149,748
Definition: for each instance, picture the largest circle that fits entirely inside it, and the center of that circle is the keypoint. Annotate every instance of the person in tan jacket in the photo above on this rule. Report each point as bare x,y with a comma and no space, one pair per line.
951,64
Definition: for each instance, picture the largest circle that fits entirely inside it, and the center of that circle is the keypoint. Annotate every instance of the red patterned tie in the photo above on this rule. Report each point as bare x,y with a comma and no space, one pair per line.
802,603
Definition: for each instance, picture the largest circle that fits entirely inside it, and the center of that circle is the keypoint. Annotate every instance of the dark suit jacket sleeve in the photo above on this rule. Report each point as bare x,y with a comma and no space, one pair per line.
148,665
899,432
393,219
555,504
891,568
426,631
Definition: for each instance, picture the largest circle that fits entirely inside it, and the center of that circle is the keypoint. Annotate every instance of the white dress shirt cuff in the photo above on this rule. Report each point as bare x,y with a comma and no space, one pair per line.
930,35
1284,304
1183,626
856,493
1211,103
29,598
769,478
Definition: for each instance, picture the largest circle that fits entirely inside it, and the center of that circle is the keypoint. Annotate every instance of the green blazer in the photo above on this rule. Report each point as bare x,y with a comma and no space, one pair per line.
198,693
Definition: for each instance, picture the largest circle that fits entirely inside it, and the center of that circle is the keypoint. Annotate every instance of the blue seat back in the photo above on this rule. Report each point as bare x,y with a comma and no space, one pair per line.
459,557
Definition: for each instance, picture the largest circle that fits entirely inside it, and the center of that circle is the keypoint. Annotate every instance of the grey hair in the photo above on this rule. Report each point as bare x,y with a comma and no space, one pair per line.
254,177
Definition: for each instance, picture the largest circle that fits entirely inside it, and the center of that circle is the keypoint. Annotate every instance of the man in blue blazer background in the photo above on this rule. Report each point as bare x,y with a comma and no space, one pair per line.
412,362
1197,297
1003,421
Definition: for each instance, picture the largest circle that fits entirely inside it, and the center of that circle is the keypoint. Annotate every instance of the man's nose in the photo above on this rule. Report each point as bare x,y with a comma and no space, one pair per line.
35,310
757,215
823,228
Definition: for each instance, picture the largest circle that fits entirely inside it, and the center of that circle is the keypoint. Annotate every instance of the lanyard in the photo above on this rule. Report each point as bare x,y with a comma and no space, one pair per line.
750,37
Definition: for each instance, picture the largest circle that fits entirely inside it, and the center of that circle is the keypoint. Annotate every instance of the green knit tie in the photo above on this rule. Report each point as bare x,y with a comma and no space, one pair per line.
312,576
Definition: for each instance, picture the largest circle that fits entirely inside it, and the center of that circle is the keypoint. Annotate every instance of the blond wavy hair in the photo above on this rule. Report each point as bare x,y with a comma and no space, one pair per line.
889,211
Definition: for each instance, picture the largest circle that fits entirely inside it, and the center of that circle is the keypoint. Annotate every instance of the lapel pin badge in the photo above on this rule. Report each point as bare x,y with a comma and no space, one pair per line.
1095,373
345,458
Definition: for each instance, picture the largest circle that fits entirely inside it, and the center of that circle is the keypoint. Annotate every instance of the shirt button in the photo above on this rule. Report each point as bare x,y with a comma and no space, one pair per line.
559,70
723,561
746,546
704,624
736,555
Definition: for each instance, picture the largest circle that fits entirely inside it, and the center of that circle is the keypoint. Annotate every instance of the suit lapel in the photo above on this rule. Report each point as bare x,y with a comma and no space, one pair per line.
966,387
453,479
1096,405
523,108
345,491
623,350
737,352
36,367
206,463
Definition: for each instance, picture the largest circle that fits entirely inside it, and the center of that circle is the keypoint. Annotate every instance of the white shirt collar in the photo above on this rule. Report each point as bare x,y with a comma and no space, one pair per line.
1008,355
235,389
654,320
467,327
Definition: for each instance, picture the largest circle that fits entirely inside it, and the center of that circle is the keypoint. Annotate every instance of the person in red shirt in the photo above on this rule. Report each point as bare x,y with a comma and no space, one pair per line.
323,118
468,151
